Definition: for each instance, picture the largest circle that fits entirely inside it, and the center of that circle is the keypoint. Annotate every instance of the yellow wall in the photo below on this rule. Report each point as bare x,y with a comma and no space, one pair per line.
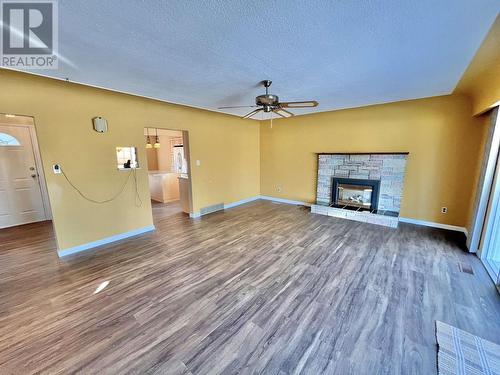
439,133
481,80
227,147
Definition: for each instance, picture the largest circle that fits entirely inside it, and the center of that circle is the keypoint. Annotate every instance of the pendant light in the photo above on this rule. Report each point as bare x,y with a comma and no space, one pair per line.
148,142
157,140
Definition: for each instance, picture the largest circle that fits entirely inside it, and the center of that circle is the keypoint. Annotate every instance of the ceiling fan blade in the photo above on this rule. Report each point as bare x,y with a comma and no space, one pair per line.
239,106
283,113
303,104
254,112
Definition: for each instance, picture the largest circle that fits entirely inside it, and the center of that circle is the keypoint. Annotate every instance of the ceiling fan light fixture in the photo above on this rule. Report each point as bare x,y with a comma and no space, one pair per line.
283,113
305,104
254,112
269,103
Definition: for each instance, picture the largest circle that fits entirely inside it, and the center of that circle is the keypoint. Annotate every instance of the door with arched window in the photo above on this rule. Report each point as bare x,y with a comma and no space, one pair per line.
21,199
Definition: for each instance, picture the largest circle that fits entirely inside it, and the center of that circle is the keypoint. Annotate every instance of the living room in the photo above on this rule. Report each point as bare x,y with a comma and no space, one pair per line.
335,207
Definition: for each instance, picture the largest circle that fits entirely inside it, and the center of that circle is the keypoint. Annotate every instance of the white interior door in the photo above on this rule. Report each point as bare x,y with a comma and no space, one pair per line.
20,192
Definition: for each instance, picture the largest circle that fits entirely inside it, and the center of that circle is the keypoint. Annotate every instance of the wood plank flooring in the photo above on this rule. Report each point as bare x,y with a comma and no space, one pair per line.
259,289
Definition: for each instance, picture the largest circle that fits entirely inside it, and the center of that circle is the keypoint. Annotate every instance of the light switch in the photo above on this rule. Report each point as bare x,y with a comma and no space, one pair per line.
198,163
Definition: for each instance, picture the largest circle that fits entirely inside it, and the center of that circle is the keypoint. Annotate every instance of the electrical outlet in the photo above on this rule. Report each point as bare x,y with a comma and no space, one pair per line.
444,210
56,168
278,189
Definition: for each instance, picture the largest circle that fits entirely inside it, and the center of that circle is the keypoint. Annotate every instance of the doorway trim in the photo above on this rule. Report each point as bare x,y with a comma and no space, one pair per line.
38,163
491,224
187,155
485,183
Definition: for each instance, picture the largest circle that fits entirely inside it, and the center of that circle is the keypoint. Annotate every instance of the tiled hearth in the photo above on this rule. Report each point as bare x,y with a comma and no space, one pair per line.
386,169
363,216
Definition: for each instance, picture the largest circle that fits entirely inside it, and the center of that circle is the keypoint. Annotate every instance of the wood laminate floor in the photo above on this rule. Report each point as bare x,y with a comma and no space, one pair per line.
261,288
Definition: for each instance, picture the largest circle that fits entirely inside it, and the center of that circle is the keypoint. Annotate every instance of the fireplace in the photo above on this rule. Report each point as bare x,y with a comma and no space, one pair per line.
361,187
355,194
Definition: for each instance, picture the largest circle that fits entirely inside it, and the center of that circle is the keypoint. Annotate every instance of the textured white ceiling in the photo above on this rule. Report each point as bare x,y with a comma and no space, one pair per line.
342,53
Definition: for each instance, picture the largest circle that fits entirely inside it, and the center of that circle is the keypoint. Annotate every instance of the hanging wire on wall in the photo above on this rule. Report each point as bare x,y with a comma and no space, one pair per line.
138,201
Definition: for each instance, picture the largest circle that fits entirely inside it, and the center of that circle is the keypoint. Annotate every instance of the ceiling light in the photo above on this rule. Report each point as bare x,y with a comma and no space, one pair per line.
157,140
148,142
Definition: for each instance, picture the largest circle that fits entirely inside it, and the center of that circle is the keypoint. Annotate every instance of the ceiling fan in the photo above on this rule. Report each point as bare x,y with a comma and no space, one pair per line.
270,103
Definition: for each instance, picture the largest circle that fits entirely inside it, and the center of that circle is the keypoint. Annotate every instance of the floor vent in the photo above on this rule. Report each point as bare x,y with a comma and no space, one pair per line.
213,208
465,268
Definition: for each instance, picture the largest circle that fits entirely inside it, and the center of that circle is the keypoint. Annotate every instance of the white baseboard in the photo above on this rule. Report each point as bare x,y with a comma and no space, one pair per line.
300,203
282,200
434,225
243,201
197,214
135,232
104,241
401,219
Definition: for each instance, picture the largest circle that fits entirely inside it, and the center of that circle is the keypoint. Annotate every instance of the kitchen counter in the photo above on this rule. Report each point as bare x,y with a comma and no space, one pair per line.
164,186
185,192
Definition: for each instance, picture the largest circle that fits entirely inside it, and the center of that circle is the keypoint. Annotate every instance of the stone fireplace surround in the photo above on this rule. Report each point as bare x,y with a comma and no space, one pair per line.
388,168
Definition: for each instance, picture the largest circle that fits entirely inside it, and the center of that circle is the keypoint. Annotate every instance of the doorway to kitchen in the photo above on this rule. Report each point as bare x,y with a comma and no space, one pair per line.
167,153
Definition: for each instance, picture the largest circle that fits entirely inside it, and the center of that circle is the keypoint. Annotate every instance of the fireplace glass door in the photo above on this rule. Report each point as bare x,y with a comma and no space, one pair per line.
354,195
